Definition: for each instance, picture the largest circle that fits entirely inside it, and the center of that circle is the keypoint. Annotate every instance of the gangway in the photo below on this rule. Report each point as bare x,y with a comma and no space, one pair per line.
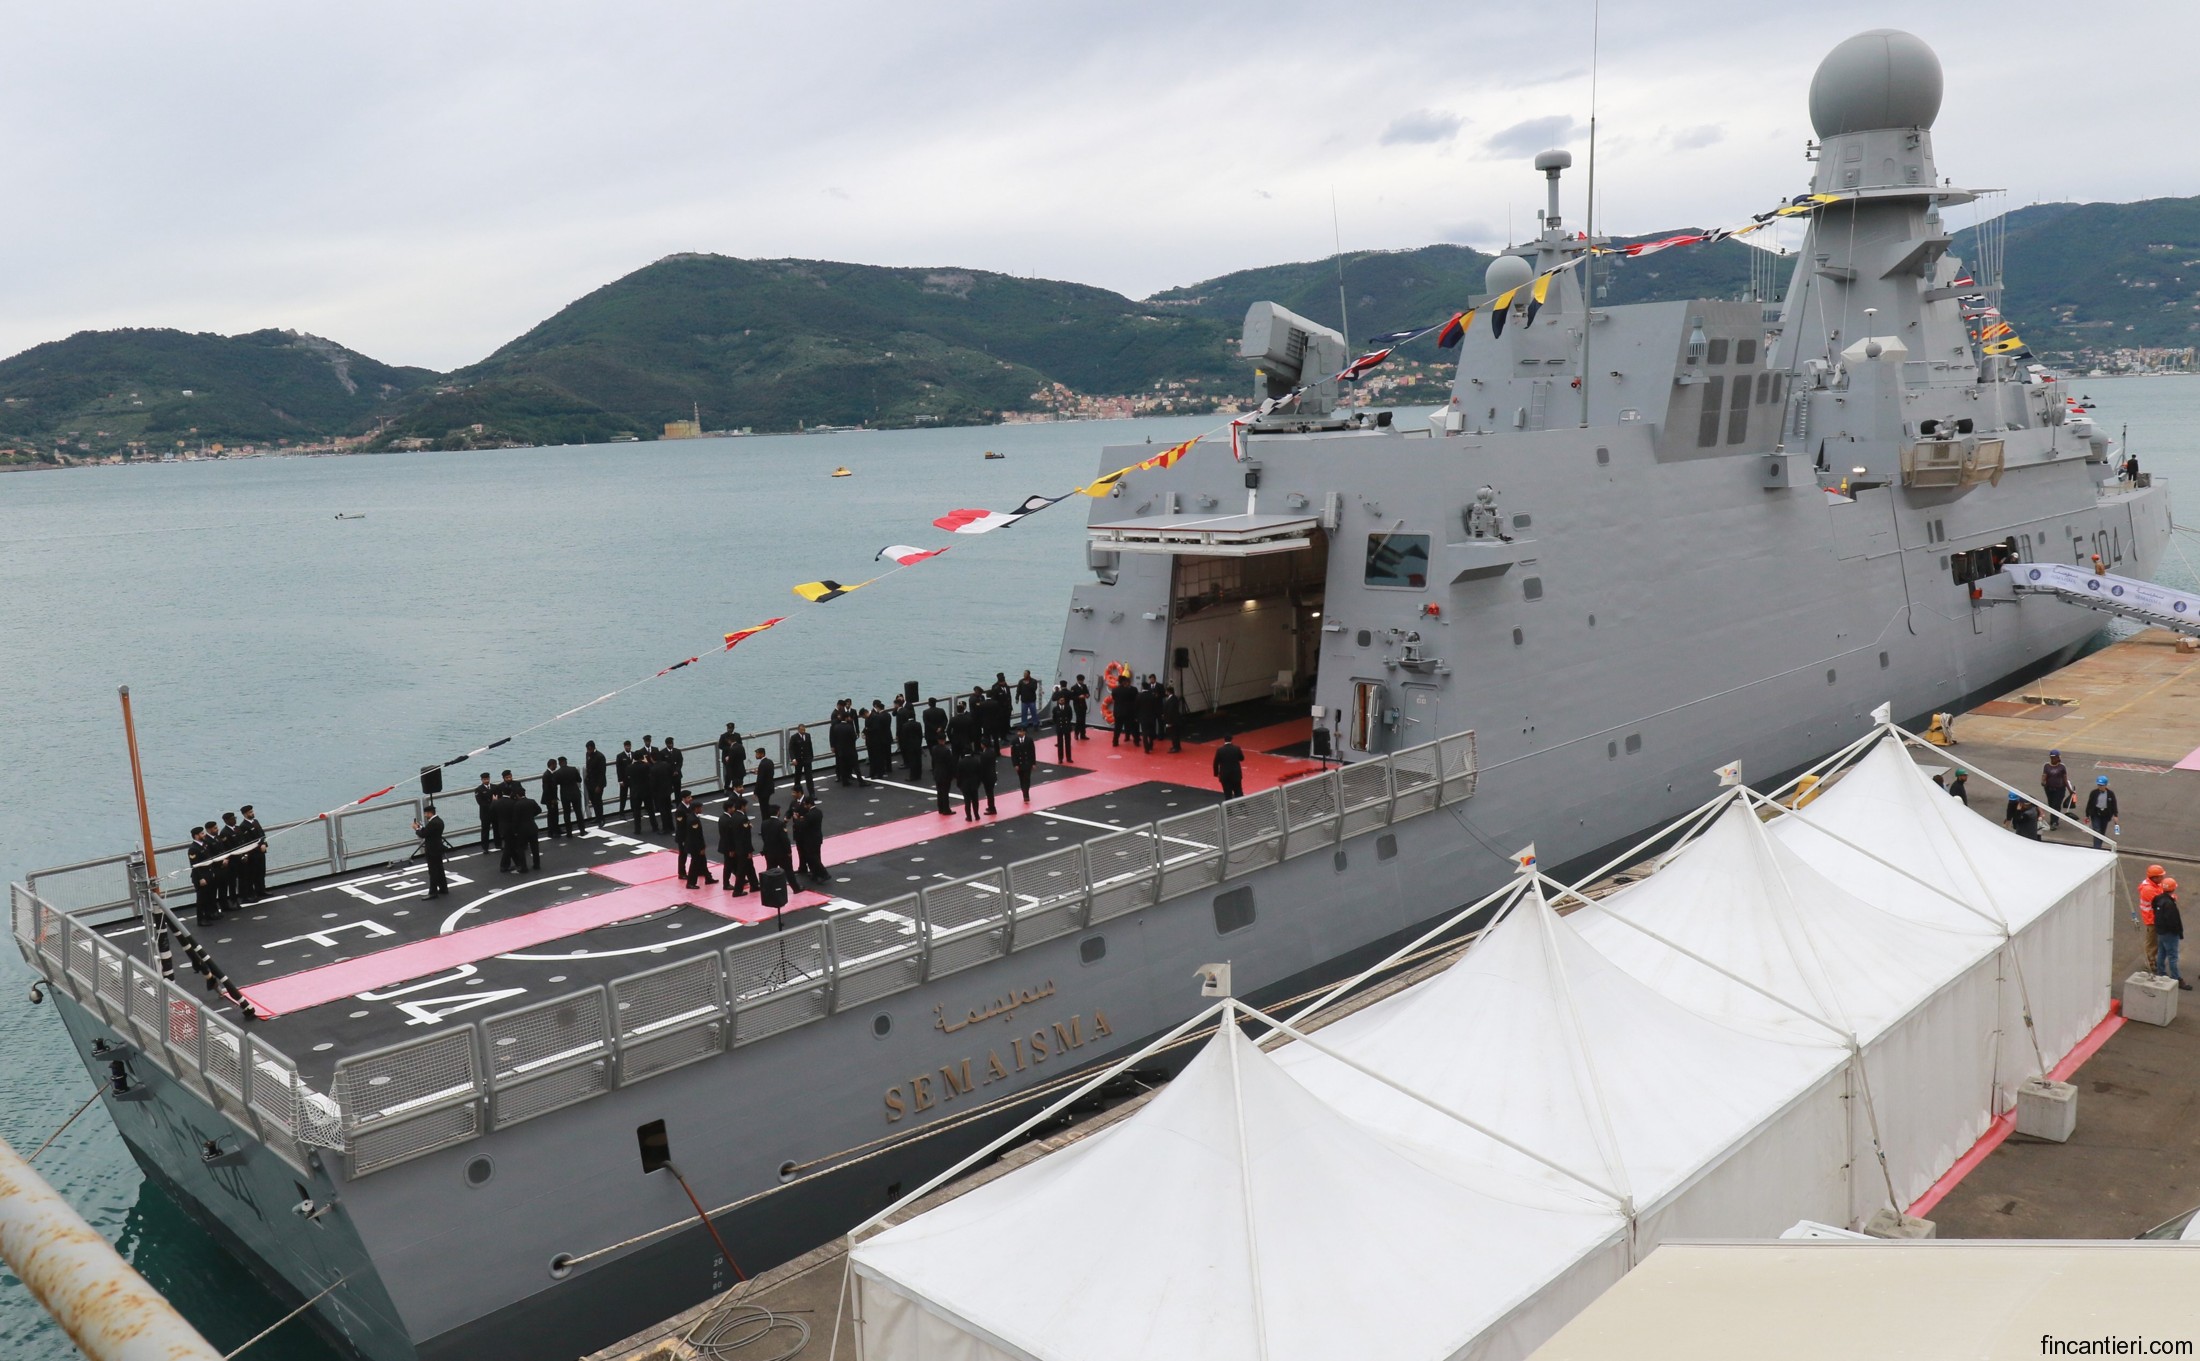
2140,600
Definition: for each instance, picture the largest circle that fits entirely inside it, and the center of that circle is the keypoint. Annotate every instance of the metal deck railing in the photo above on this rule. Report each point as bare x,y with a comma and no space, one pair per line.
407,1100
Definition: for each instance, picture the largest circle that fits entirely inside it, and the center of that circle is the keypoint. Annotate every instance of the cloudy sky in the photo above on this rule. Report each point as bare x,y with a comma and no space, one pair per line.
425,181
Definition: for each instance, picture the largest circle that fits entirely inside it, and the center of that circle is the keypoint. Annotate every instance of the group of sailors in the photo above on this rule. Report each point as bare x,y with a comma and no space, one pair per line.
964,739
228,863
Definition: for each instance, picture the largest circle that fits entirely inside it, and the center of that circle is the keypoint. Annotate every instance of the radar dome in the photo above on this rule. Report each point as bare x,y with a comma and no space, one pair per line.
1883,78
1506,272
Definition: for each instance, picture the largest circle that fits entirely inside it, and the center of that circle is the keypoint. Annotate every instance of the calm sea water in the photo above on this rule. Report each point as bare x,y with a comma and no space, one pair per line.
282,657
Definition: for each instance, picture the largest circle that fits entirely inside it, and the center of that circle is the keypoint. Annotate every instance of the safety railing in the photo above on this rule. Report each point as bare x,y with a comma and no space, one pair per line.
408,1100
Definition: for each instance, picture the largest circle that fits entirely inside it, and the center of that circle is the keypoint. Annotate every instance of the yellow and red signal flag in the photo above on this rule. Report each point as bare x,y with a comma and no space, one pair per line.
738,636
1455,330
1168,457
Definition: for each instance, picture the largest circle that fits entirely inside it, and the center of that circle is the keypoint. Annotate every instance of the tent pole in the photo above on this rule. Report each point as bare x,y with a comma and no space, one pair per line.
1403,951
2059,815
1076,1094
1439,1107
1608,1143
1232,1014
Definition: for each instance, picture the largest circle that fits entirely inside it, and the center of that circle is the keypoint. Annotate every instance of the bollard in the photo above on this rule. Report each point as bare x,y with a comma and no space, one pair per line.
106,1308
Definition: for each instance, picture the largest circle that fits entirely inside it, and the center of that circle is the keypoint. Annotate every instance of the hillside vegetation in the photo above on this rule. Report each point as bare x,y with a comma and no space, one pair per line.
781,344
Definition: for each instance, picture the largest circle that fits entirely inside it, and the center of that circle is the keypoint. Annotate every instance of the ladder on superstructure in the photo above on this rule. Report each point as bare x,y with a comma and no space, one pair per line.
2142,601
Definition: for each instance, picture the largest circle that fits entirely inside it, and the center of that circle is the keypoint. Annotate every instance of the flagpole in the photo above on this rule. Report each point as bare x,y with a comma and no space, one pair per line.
1589,214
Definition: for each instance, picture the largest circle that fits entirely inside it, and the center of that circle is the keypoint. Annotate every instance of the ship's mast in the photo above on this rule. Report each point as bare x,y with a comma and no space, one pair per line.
1589,214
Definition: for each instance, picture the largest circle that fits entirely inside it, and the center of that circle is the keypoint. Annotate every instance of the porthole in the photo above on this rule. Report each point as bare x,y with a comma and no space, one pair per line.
480,1170
1519,637
1882,661
1233,910
1634,743
1523,521
1092,949
1829,675
1532,587
1604,455
1611,751
1364,638
881,1024
1386,847
1592,621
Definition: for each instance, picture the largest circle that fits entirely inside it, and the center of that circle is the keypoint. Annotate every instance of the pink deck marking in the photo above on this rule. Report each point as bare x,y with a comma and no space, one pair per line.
2191,761
2005,1124
1193,767
1278,735
651,884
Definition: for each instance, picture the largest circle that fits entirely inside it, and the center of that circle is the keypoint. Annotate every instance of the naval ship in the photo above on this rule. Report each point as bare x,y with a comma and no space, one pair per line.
1636,542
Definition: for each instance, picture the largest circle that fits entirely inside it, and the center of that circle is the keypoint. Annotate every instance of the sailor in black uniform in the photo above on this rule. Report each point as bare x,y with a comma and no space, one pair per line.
1230,768
909,734
801,759
1027,699
935,722
878,739
809,839
255,859
485,797
969,774
1080,695
737,844
593,780
664,783
1172,716
998,711
962,729
550,800
225,866
840,735
432,849
989,772
733,758
767,779
569,789
634,794
202,876
1125,712
943,771
778,848
1149,711
1065,725
694,850
624,763
1023,754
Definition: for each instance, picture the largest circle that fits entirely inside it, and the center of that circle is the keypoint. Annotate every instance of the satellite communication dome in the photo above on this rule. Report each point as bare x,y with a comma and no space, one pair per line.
1506,272
1883,78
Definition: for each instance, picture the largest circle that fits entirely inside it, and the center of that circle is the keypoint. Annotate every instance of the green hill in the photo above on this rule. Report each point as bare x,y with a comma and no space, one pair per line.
2090,277
776,344
100,391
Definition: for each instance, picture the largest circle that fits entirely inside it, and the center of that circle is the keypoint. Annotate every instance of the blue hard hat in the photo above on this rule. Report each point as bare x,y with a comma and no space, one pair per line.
2012,796
2100,779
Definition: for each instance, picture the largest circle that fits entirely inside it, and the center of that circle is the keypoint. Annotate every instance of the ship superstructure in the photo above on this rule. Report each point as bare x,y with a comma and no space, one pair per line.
1636,543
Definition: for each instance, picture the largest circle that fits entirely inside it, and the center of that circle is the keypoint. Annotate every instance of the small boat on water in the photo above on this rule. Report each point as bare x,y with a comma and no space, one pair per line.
842,472
360,516
991,454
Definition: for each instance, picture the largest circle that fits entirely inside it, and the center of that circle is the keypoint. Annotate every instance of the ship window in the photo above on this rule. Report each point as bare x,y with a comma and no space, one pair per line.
1829,675
1611,751
1532,588
1363,638
656,1146
1386,847
1092,949
1707,428
1745,352
1882,661
881,1025
1715,352
1522,521
1519,637
1399,560
1634,743
479,1171
1764,388
1604,455
1337,861
1233,910
2116,545
1737,421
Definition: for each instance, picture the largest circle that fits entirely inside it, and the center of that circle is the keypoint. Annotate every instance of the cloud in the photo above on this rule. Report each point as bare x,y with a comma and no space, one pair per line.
1421,126
1536,134
1691,139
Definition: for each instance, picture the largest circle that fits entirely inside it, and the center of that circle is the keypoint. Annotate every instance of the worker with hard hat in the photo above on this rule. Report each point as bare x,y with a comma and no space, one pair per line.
2150,888
2100,810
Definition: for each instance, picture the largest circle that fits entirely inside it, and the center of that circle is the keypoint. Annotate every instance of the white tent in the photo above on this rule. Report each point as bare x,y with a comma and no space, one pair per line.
1694,1125
1738,926
1236,1216
2056,901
